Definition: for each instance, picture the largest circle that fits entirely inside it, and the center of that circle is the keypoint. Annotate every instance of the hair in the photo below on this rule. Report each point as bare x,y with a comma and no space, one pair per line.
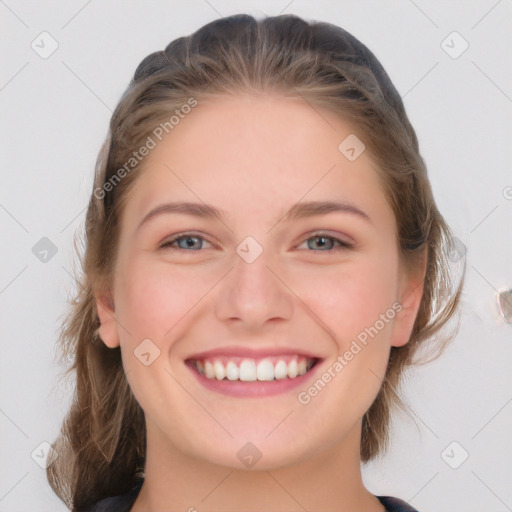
101,446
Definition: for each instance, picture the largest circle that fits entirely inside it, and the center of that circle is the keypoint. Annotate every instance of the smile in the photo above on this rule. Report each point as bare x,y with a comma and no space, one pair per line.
250,370
242,372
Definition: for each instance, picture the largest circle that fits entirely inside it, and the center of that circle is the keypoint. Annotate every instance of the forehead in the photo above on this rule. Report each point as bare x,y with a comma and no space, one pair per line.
256,154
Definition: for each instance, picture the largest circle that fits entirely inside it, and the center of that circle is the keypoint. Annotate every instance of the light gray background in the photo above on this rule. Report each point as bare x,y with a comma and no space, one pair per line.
54,116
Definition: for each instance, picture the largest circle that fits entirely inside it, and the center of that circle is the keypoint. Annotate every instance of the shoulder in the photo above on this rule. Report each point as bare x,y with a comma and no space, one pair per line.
395,504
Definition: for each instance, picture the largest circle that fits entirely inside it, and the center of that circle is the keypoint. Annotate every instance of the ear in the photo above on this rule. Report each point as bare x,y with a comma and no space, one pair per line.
108,330
408,302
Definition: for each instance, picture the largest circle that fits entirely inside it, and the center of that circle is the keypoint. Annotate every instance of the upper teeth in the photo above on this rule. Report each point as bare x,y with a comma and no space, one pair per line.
250,370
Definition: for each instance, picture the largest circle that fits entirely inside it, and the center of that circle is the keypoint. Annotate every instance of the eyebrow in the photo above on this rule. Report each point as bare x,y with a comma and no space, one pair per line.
297,211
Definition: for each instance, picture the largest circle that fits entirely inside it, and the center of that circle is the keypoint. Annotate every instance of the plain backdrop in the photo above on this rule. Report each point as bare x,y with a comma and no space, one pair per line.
454,452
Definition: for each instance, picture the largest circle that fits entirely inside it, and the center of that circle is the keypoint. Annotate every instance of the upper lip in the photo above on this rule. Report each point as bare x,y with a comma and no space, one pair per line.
251,353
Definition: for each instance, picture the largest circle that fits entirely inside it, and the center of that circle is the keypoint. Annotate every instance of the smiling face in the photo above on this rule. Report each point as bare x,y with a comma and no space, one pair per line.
246,296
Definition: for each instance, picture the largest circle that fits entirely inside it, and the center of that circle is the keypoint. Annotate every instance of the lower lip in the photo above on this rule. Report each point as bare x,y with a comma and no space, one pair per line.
255,388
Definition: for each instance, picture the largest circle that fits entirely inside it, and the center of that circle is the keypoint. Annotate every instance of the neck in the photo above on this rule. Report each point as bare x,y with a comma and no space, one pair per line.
331,480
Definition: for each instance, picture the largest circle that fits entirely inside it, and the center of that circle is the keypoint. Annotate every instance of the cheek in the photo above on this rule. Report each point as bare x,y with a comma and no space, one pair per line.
352,303
153,299
351,298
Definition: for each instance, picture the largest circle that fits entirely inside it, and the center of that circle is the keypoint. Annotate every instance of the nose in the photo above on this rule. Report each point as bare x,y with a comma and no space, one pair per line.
253,294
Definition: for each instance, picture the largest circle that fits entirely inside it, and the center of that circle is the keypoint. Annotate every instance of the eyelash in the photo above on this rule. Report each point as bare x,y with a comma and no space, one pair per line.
342,244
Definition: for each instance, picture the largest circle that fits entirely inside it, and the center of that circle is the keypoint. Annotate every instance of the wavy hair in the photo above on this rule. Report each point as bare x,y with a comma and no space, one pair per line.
101,446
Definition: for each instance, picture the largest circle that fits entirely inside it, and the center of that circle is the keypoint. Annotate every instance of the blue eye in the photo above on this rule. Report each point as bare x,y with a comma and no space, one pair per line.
327,243
192,242
185,242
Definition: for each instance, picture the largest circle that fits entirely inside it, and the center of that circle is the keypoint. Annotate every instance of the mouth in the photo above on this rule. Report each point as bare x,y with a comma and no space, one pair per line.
243,375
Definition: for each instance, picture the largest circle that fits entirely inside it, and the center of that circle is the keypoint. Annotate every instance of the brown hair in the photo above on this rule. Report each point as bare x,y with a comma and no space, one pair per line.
101,447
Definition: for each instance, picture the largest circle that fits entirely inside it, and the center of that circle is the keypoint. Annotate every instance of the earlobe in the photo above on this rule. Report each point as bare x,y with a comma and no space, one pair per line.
410,300
108,330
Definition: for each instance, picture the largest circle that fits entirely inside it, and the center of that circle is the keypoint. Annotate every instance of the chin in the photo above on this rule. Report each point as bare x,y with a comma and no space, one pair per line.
256,454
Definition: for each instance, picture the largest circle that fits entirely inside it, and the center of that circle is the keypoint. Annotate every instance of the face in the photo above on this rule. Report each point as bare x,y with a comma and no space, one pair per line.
265,309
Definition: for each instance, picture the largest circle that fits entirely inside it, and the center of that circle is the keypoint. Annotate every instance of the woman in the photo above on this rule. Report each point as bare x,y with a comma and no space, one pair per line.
263,259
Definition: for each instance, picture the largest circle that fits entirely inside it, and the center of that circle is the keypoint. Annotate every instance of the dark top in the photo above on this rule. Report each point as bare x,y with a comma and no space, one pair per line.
124,503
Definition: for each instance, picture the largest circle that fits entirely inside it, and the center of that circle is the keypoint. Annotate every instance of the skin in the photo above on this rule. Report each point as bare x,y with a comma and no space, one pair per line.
254,156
